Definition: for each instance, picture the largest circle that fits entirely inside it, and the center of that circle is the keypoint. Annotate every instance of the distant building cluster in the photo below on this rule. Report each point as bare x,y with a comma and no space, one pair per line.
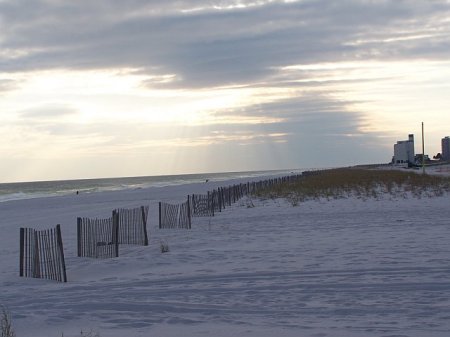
404,153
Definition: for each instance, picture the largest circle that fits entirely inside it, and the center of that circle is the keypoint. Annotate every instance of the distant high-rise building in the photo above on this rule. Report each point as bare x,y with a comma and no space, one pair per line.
404,151
446,148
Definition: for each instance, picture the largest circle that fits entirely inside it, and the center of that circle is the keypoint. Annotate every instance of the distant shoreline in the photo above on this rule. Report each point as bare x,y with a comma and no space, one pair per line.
37,189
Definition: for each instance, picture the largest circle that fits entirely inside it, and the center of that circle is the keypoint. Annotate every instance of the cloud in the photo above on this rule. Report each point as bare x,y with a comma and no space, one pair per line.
281,82
7,85
48,112
211,44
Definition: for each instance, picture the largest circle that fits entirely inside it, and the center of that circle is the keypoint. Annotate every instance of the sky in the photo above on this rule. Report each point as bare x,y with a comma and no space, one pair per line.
109,88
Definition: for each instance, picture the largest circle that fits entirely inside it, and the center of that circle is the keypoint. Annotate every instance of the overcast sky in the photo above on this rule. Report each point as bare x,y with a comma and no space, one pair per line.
110,88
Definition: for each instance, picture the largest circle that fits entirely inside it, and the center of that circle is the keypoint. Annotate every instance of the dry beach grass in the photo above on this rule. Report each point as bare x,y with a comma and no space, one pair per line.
6,328
362,183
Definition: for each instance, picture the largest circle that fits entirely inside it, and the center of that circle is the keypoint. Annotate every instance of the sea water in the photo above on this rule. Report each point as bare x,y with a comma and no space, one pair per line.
36,189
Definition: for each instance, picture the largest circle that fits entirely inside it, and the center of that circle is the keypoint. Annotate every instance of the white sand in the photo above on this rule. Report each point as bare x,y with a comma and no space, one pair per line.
339,268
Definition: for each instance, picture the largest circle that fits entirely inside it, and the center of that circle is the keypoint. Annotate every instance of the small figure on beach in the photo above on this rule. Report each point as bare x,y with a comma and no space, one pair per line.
206,180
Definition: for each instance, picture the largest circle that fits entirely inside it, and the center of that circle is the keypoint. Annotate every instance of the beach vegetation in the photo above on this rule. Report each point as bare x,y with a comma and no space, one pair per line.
360,183
164,246
6,324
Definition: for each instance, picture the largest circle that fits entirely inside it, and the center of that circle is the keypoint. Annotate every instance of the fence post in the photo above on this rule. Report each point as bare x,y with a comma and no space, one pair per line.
115,234
37,263
189,211
79,237
22,249
160,215
211,202
61,251
144,220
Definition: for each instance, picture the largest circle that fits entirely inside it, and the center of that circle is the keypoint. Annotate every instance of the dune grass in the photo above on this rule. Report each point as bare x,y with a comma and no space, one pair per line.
360,183
6,328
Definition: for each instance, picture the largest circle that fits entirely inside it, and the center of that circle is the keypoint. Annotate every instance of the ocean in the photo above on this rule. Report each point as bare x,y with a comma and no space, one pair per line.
37,189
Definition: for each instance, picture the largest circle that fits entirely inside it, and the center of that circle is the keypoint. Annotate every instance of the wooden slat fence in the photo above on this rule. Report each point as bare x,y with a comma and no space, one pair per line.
215,202
201,205
254,187
133,225
97,238
42,254
175,216
218,199
224,197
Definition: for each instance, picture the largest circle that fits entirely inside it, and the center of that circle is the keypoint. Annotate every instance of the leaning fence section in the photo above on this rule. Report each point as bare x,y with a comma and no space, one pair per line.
133,225
42,254
174,216
97,238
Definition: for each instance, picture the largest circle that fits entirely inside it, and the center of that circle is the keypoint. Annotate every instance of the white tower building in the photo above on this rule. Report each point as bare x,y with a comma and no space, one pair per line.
404,151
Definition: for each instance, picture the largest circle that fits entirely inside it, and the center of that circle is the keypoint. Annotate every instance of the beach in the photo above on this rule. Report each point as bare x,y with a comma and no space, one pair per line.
345,267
